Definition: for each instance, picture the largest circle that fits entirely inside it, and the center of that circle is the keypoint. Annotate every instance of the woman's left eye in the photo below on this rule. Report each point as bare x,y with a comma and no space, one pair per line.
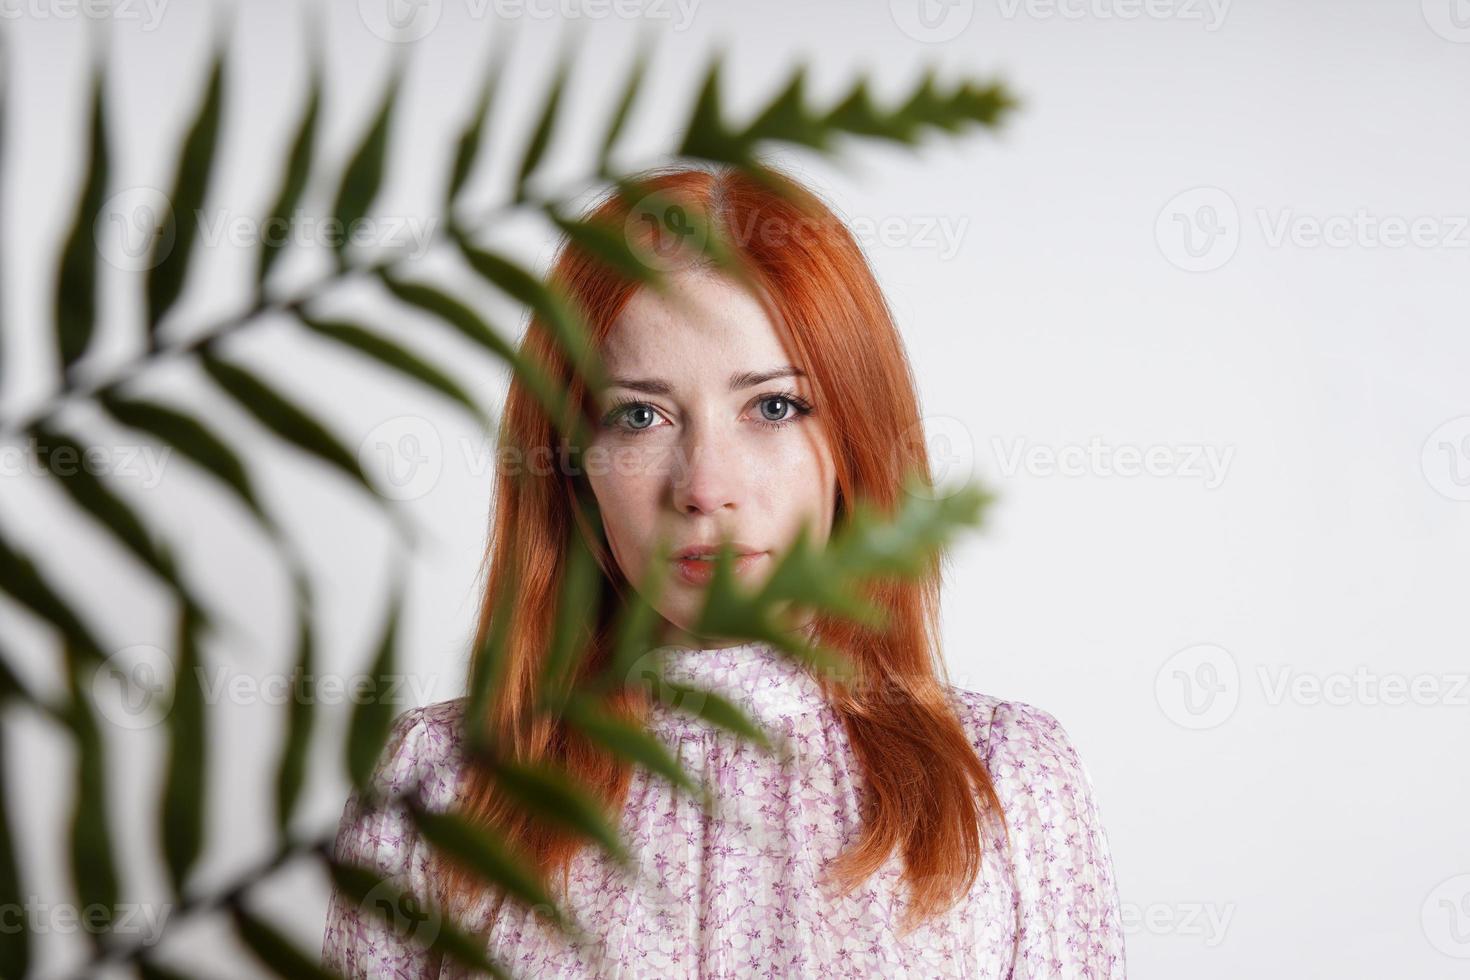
787,409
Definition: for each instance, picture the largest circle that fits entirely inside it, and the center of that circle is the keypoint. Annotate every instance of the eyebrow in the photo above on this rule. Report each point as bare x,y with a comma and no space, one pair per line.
743,379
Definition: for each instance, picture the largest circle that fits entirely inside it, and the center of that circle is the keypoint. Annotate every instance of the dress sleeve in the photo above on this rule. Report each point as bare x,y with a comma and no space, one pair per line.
1068,919
358,944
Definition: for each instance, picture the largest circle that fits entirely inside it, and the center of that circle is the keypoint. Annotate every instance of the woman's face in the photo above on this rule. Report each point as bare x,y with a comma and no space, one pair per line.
706,434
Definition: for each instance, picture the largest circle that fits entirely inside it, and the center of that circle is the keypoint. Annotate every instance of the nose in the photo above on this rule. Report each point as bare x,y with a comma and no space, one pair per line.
708,474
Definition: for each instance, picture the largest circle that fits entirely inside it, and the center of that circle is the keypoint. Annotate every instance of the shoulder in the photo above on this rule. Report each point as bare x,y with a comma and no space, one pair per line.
1035,767
1015,736
423,749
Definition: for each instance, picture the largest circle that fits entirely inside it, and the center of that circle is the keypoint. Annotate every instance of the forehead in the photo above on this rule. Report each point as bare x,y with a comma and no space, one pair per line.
704,321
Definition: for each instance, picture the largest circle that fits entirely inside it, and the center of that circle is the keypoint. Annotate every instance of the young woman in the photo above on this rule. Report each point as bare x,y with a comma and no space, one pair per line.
900,827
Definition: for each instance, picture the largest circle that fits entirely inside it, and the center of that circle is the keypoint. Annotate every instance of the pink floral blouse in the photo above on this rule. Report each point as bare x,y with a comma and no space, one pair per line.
735,893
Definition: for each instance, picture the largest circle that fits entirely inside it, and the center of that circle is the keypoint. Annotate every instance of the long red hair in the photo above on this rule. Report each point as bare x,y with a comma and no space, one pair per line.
930,793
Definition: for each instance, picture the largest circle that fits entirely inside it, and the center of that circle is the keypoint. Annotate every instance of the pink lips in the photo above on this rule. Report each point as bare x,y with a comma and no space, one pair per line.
697,571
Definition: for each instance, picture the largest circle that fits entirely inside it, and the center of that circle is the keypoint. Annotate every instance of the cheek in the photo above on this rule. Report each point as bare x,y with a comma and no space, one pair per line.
797,481
628,505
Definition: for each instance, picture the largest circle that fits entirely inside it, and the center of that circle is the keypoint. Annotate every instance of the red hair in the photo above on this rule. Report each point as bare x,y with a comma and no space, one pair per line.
930,791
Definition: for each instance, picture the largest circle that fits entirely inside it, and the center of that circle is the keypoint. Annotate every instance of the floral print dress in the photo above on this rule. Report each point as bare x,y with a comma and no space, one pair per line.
737,891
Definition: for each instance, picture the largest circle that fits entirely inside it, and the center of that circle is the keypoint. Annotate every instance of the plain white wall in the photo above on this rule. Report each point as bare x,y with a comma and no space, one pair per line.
1227,239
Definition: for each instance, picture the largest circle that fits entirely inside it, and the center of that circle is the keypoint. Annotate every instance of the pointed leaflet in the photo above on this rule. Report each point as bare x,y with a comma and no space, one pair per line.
706,135
470,325
65,459
625,739
553,796
298,168
191,183
182,824
280,415
148,970
94,873
576,617
76,286
566,326
274,950
364,174
407,914
291,771
625,104
395,356
475,845
607,243
468,147
488,666
23,582
192,439
15,944
372,718
787,119
541,135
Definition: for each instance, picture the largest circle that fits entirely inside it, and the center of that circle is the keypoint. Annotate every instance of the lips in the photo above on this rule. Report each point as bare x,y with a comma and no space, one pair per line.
696,563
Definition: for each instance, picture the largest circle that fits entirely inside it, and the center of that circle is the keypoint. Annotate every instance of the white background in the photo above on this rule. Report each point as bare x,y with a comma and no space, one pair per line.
1182,624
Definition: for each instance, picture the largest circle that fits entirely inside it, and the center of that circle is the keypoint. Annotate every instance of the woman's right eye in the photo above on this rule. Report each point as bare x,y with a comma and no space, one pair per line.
632,416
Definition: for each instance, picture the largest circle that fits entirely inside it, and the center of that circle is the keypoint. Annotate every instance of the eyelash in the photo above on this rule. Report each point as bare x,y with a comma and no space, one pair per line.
620,407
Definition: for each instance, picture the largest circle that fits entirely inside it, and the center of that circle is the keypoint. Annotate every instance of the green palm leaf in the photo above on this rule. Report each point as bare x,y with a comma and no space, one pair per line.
395,356
372,718
298,168
468,146
276,952
191,184
182,824
363,177
300,718
195,441
76,286
93,871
